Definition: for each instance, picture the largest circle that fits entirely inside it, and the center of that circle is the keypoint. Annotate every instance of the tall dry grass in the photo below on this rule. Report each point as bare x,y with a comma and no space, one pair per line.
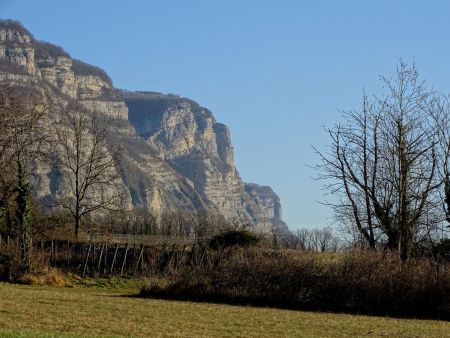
376,283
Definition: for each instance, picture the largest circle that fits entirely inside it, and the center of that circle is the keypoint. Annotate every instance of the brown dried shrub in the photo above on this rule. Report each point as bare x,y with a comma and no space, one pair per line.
368,282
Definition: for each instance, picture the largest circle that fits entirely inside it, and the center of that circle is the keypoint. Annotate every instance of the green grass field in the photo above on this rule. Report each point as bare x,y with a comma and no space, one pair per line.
29,311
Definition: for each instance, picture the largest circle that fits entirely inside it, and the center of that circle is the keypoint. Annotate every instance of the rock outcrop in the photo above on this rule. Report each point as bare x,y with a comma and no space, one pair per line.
269,203
175,154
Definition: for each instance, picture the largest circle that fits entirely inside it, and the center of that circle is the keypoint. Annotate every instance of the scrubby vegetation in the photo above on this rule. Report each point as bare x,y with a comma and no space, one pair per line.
45,50
232,238
376,283
14,25
81,68
47,276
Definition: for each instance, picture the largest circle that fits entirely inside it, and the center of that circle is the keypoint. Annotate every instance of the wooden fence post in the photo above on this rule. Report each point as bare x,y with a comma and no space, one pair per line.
100,257
106,257
124,259
142,258
93,253
141,253
86,261
114,259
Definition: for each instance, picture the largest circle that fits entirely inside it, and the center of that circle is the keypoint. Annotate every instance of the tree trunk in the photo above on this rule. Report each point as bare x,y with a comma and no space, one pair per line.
77,224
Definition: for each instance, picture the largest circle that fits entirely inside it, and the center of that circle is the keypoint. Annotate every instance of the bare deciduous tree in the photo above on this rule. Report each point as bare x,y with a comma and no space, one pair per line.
385,164
87,160
318,239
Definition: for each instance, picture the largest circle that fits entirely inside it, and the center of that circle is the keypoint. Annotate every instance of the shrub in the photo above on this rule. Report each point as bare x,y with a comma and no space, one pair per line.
81,68
14,25
373,283
44,50
47,276
229,238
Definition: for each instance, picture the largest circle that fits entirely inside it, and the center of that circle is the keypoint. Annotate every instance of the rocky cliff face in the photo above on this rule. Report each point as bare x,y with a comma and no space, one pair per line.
269,204
187,136
175,154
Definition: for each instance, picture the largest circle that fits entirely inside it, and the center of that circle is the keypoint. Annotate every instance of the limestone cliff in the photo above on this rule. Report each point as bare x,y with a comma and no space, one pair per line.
187,136
175,154
269,203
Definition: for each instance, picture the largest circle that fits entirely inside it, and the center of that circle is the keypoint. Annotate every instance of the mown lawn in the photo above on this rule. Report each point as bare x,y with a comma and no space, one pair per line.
28,311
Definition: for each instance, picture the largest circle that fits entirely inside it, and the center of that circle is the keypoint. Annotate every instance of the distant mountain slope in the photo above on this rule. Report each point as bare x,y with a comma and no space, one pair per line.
175,155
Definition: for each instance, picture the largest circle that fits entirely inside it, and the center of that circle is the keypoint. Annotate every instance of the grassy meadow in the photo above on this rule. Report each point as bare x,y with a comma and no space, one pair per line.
35,311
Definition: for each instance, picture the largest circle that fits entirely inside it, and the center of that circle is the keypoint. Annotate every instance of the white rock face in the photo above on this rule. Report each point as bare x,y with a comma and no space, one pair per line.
187,136
110,108
60,76
12,34
269,204
90,87
175,155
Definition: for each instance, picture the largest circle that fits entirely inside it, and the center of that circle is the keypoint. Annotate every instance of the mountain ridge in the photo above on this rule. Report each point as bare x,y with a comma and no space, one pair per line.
176,155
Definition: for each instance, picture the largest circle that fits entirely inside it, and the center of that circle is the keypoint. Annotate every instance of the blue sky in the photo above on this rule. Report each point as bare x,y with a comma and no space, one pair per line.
274,71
